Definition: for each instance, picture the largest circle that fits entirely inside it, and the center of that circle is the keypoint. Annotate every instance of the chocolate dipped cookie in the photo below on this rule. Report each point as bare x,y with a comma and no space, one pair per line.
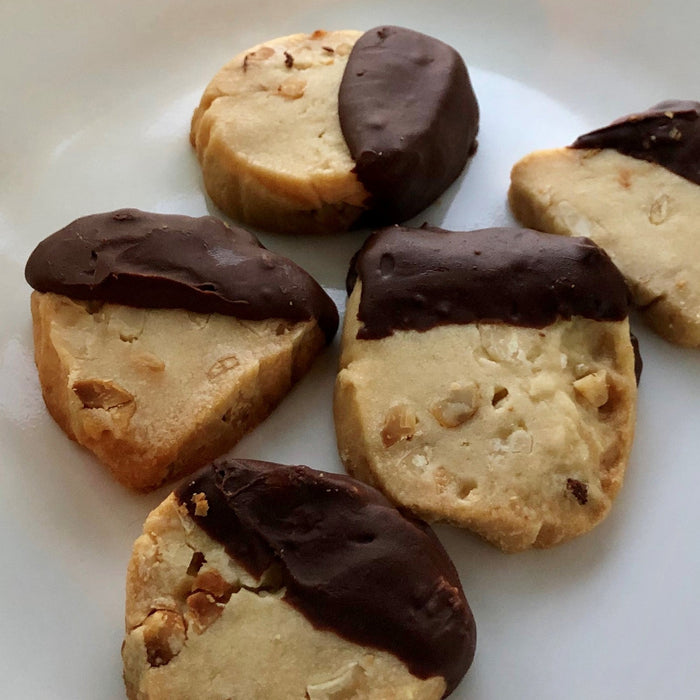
319,132
160,340
634,188
487,379
258,580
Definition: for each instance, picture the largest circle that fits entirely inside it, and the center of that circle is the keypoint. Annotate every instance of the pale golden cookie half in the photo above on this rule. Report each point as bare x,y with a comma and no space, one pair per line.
156,393
261,581
268,137
644,214
463,403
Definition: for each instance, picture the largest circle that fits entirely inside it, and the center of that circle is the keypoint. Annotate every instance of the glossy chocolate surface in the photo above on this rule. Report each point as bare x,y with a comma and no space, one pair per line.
348,559
167,261
667,134
416,279
409,116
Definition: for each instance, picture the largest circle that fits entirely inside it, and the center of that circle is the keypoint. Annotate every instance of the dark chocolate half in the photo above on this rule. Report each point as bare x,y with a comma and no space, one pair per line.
168,261
416,279
348,559
409,116
667,134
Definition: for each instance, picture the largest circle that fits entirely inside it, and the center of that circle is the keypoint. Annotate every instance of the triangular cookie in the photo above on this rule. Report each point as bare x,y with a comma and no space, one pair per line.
158,392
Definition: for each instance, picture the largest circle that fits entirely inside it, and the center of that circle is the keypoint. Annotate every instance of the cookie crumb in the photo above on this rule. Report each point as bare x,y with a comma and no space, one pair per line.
594,388
213,583
202,611
292,88
164,635
201,505
658,212
149,362
263,53
399,424
101,393
458,406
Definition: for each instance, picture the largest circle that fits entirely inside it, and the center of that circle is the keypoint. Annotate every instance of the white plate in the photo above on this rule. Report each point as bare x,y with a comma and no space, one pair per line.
95,110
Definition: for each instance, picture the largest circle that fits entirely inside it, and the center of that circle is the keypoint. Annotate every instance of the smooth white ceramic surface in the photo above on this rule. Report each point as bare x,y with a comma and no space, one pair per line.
96,101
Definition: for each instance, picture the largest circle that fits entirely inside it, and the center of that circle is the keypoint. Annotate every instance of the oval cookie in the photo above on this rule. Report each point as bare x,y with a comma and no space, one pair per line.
487,379
309,133
251,566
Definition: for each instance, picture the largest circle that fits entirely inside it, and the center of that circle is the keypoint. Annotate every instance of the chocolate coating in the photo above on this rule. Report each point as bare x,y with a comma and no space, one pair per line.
638,362
409,116
667,134
348,559
167,261
416,279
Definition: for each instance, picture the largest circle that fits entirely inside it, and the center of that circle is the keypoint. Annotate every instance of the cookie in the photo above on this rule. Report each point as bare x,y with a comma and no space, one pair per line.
487,379
633,187
160,340
258,580
317,133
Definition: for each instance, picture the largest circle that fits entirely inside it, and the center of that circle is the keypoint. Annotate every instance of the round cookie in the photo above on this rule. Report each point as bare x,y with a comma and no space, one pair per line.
634,188
311,133
160,340
487,379
252,566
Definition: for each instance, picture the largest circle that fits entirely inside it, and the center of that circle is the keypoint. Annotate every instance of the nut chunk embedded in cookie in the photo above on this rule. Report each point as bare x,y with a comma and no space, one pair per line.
487,379
160,339
634,188
313,573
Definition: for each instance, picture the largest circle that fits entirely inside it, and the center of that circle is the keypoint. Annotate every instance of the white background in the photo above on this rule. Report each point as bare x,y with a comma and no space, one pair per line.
94,115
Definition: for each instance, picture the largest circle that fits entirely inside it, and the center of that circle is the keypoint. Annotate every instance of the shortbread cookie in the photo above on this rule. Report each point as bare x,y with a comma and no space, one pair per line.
262,581
487,379
634,188
306,133
156,392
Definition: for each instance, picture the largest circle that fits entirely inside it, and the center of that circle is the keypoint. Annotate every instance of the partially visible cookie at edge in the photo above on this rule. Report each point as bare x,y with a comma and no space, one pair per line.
252,566
160,339
487,379
301,134
634,188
